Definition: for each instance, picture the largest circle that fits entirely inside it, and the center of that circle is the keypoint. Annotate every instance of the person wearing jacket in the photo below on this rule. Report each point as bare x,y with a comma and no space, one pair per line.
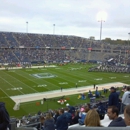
113,113
113,98
83,115
49,122
61,123
4,117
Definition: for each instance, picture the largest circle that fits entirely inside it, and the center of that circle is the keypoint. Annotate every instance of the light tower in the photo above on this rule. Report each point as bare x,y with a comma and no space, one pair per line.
53,29
101,17
26,27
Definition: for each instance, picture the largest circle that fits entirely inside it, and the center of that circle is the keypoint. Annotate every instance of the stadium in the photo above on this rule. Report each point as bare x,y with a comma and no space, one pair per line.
42,73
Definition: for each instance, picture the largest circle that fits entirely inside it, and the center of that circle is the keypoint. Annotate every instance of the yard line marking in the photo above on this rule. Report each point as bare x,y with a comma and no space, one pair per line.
10,84
112,77
4,92
37,79
3,97
82,81
63,83
126,76
22,83
33,80
98,79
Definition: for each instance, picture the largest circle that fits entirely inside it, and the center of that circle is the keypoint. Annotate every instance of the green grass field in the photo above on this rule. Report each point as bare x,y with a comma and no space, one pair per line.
26,81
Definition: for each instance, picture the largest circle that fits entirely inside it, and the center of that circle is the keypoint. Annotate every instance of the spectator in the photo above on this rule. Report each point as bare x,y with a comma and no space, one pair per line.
101,110
113,98
92,118
125,99
68,115
113,113
75,118
41,126
56,114
4,117
61,123
83,114
49,122
127,115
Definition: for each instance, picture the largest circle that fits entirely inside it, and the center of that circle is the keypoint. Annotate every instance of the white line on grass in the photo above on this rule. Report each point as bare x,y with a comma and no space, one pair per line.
10,84
4,92
34,80
22,82
38,79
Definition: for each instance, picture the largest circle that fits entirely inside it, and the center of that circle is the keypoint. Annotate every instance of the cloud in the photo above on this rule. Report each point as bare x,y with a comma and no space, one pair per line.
73,17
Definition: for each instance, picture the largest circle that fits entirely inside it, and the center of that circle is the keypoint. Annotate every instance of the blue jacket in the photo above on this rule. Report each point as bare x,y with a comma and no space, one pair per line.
119,122
61,123
101,109
49,124
113,99
4,117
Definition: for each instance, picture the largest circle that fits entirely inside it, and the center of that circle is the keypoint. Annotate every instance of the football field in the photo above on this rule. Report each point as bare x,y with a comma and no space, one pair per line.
15,82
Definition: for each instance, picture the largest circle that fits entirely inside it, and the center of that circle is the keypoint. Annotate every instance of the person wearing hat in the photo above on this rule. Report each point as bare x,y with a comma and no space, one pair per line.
113,98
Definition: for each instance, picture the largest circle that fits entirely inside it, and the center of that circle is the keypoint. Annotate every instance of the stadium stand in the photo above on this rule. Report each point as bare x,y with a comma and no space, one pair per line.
26,49
22,47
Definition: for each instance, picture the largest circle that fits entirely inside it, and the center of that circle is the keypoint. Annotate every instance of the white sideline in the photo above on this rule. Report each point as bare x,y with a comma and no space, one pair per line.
58,93
46,66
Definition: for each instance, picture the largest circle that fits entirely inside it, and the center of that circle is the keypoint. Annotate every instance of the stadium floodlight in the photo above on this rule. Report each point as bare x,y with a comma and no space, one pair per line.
129,36
26,27
53,28
101,17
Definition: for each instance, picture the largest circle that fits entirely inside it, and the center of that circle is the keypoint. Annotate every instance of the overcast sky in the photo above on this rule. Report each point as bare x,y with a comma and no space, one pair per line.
71,17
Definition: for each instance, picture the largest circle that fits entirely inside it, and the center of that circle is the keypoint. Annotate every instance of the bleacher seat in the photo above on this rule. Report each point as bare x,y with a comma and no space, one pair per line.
99,128
26,128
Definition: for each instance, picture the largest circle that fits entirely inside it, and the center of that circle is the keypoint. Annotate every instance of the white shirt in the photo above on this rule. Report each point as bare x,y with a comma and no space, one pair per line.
126,98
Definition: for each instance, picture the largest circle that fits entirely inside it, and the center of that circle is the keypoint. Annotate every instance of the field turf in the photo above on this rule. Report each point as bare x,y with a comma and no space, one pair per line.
33,80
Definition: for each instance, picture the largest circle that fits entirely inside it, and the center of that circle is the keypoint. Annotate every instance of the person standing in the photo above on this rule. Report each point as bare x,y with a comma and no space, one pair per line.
76,85
61,89
125,98
113,98
94,86
4,117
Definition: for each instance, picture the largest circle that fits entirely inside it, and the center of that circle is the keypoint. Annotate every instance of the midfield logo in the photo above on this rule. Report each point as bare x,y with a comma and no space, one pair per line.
43,75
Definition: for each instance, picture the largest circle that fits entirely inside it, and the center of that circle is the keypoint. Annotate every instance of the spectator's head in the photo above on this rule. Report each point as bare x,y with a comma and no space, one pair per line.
61,111
48,116
112,112
127,115
92,118
112,89
128,88
42,119
86,109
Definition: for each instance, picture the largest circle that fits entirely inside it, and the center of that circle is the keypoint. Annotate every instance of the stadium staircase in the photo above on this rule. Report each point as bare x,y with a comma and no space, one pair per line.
41,40
16,39
12,53
89,53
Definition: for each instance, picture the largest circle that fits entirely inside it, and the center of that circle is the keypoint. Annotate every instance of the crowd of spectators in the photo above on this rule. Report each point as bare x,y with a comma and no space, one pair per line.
88,114
27,47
